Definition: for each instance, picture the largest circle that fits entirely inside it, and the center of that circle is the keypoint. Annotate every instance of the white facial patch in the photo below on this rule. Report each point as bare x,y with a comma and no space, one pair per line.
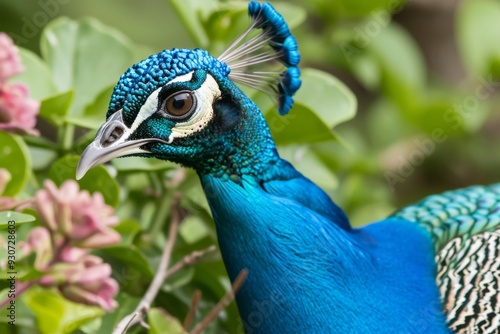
205,97
151,104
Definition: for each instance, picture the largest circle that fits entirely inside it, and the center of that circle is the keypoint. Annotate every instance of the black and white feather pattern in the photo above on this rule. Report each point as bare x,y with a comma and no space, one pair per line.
468,279
465,227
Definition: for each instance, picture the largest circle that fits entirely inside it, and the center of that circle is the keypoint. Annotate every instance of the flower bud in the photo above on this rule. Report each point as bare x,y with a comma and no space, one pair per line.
17,111
101,294
89,282
10,61
39,242
72,254
83,219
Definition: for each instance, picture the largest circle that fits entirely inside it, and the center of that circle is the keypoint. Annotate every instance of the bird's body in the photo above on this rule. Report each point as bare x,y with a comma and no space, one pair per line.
309,271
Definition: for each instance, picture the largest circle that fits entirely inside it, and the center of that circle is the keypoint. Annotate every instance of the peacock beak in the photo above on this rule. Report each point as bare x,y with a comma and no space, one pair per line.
111,141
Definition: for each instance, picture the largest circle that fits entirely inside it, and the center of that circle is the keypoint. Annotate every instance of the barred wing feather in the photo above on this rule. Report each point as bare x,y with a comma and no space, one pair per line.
465,227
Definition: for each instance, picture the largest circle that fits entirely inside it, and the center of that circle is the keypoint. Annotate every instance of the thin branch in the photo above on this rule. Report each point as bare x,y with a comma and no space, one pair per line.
137,316
177,179
192,310
188,260
223,303
21,287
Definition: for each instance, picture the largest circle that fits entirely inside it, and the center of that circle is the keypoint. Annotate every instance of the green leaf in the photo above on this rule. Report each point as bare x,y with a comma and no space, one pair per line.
131,256
301,125
130,164
192,13
162,322
178,280
225,24
41,157
128,229
36,76
401,64
94,114
55,108
330,99
25,320
363,8
478,26
57,45
85,56
96,179
32,275
382,115
293,14
309,164
193,229
129,226
17,217
14,157
194,196
62,316
366,70
495,66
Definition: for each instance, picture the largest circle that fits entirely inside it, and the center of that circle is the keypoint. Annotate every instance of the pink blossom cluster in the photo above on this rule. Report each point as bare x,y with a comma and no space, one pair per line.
17,111
74,222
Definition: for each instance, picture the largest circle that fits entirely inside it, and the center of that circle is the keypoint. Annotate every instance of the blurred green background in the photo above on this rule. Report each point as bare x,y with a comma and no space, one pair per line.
426,76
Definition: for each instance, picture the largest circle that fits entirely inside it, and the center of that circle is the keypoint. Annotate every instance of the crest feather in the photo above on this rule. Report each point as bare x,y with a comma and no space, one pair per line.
274,43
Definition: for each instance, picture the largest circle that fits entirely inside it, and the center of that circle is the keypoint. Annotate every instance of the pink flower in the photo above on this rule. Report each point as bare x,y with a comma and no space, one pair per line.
87,281
17,111
10,62
99,293
77,220
74,221
40,243
72,254
84,219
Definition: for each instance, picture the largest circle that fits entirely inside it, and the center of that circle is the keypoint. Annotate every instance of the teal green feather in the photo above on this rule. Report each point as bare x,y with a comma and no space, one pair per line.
460,213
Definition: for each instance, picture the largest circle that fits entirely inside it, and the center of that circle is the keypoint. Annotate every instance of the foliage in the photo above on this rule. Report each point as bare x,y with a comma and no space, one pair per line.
414,124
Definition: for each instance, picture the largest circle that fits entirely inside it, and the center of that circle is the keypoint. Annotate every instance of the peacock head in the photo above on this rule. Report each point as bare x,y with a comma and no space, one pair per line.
183,105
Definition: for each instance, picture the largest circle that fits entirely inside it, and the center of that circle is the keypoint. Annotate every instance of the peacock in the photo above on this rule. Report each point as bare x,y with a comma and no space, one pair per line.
432,267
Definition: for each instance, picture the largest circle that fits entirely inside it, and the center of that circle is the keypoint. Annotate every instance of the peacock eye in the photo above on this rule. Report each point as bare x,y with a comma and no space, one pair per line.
179,105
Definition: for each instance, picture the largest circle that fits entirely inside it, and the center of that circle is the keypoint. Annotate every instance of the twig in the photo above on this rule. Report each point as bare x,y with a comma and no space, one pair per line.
192,310
137,316
188,260
238,282
20,288
177,179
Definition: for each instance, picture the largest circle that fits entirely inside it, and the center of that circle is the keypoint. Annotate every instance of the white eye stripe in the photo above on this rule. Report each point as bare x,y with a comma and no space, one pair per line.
151,104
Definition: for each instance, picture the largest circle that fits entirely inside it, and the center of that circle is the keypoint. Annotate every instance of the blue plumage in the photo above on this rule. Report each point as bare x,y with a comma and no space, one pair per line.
309,275
426,269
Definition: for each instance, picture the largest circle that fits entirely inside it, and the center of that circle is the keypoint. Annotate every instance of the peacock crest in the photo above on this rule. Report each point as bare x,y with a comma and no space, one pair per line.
273,43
